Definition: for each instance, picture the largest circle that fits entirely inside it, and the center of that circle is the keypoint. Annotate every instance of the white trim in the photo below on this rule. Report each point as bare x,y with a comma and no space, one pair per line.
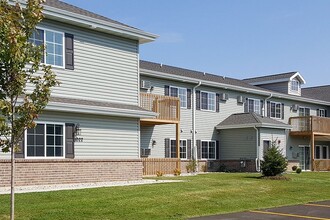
178,88
258,125
281,109
173,139
321,152
260,107
299,76
45,139
215,101
208,146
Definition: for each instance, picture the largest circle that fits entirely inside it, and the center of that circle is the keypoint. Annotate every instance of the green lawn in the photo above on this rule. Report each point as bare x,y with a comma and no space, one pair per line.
199,195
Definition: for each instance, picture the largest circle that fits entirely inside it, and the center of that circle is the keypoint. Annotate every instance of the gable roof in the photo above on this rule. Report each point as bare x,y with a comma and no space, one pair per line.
281,77
249,120
71,8
157,67
318,92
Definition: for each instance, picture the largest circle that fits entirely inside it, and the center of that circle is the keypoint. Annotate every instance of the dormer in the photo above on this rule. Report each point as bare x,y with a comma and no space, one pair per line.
288,83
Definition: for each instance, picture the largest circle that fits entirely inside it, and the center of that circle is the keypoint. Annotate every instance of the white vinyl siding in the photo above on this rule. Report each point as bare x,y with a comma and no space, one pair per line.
181,93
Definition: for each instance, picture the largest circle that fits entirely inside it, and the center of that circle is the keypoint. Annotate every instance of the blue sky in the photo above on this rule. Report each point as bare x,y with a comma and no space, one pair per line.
234,38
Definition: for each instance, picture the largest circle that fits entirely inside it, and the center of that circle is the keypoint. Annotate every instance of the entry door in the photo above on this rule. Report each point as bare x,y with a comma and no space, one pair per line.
305,157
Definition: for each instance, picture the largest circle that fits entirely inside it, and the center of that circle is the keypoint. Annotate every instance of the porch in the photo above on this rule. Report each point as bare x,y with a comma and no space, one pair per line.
168,109
316,129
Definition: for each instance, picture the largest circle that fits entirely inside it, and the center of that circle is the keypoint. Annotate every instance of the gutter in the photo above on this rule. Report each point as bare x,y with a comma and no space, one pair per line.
194,122
265,104
257,148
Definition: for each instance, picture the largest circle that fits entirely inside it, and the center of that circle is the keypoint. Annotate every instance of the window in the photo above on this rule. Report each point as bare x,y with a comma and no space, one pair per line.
322,152
209,150
254,106
295,85
181,93
266,146
276,110
304,111
54,46
208,101
183,149
45,140
321,113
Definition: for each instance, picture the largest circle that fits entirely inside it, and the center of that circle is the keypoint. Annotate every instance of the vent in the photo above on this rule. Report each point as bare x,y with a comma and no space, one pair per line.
145,152
145,84
240,99
224,96
295,107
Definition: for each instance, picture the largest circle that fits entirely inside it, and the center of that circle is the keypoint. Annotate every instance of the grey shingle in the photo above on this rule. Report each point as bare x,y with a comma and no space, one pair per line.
319,93
270,77
249,119
71,8
196,75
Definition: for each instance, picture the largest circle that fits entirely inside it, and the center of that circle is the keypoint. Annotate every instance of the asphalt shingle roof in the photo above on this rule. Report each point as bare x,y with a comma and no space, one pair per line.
147,65
270,77
74,9
249,119
319,93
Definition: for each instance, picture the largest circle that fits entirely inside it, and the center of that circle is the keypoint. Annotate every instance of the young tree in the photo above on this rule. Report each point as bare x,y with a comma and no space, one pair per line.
273,163
25,84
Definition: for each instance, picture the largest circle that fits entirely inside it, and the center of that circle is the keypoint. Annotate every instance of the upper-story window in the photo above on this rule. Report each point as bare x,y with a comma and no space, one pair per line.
304,111
276,110
181,93
254,105
208,101
295,85
321,113
54,46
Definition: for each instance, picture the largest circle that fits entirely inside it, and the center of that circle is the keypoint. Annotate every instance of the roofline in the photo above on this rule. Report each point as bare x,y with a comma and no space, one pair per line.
99,110
297,74
252,125
170,76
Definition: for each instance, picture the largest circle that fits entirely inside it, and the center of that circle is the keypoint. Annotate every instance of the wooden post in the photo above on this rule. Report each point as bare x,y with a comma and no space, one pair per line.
312,151
178,145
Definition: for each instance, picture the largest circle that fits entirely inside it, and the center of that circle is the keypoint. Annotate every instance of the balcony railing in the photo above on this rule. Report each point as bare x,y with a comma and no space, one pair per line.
309,124
167,107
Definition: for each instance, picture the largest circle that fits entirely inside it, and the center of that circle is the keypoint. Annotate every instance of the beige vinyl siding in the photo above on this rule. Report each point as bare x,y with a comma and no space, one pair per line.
106,66
277,135
238,143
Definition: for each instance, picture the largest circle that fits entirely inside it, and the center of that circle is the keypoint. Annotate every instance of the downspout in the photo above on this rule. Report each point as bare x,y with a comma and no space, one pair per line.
265,104
194,123
257,148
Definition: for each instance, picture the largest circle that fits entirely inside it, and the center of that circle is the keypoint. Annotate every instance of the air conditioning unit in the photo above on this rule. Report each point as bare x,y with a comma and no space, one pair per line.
295,107
240,99
145,152
144,84
224,96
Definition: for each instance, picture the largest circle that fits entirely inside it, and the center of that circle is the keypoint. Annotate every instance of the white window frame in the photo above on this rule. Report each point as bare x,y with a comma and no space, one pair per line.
322,113
295,85
208,150
302,107
172,139
178,95
45,51
45,142
322,157
208,101
275,108
254,105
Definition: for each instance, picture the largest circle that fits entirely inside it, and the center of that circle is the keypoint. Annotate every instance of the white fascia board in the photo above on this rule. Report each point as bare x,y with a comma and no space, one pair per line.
301,79
99,110
289,127
231,87
258,125
269,81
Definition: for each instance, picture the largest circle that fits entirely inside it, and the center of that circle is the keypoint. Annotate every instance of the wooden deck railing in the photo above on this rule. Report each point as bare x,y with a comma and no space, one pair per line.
322,165
310,124
164,165
167,107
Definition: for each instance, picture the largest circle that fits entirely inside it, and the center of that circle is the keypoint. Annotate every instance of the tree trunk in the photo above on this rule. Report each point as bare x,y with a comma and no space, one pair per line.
12,183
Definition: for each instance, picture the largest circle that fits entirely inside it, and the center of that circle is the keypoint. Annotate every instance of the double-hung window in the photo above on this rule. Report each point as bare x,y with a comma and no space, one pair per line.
321,112
254,105
208,150
46,140
208,101
54,46
322,152
276,110
295,85
181,93
183,149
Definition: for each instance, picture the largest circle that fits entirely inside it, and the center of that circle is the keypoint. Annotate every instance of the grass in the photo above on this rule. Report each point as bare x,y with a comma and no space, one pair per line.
199,195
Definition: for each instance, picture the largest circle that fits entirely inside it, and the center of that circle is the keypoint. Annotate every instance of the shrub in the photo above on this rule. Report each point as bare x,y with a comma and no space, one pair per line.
159,173
191,167
273,163
177,172
294,168
298,170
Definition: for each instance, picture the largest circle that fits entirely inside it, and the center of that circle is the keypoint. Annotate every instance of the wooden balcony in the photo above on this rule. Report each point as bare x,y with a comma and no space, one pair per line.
167,107
306,126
